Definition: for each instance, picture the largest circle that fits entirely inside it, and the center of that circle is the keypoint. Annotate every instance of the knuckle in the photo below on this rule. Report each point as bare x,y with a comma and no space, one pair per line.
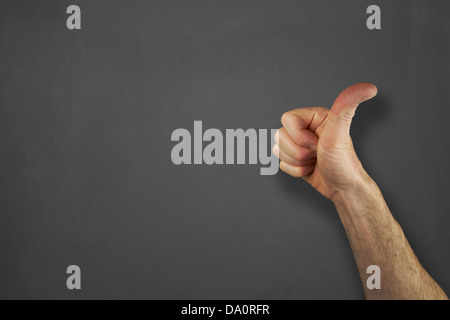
285,117
276,150
298,138
298,172
348,115
299,154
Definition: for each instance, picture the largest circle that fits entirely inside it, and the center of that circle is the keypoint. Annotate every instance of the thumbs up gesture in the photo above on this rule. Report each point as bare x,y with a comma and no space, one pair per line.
315,144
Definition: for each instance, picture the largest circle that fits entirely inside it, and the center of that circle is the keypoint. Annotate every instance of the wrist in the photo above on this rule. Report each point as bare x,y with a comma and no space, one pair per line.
358,189
361,201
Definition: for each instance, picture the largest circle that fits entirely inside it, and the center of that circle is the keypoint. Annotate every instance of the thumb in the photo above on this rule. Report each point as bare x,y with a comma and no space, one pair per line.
344,107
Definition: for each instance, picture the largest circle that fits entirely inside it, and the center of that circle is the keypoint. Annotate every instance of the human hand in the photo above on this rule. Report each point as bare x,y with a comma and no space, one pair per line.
314,143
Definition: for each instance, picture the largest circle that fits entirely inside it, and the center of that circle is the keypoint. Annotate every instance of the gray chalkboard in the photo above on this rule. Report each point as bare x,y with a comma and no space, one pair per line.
86,118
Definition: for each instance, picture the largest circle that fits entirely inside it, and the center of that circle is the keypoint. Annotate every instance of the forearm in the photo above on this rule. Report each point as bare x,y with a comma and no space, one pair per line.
377,239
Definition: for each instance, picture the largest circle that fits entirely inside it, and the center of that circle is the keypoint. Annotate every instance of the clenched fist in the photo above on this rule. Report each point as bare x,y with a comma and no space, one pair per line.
315,144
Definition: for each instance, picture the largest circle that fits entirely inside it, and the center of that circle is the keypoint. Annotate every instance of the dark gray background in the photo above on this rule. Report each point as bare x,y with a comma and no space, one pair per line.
85,124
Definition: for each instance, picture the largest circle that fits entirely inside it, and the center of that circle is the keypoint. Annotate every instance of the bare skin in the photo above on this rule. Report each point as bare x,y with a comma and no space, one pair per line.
315,144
